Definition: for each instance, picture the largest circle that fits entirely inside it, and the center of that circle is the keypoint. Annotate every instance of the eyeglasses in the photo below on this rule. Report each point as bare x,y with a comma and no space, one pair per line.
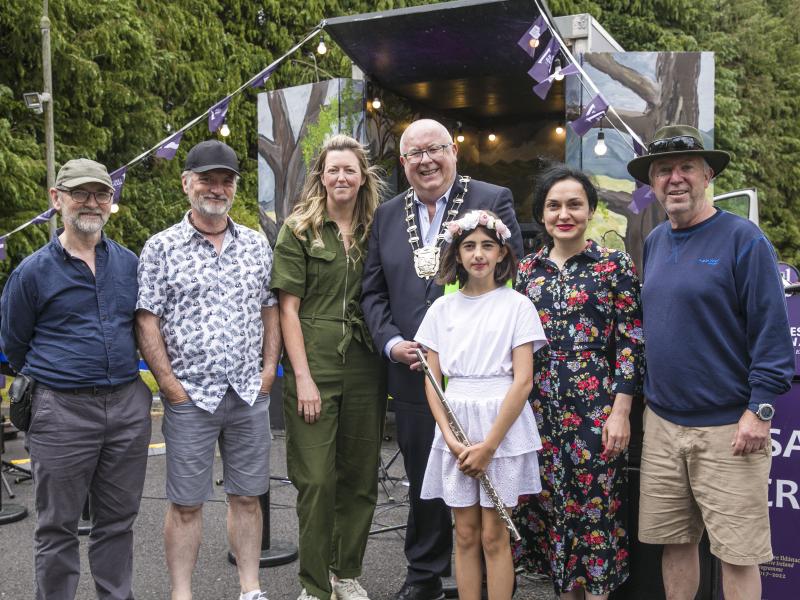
82,196
433,152
681,142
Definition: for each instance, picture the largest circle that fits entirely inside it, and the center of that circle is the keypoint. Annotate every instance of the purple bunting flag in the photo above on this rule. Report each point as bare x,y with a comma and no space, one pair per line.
262,77
44,217
170,147
533,33
642,197
541,69
638,148
594,111
3,248
543,88
216,114
117,181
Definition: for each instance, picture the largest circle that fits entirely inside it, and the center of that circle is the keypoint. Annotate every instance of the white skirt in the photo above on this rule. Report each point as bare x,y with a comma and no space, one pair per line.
514,469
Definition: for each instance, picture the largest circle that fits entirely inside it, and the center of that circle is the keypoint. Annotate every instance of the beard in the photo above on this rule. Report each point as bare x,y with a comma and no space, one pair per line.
85,223
212,206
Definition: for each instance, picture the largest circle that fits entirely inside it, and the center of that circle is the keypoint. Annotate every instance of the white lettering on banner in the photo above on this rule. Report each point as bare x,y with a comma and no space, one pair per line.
785,490
792,445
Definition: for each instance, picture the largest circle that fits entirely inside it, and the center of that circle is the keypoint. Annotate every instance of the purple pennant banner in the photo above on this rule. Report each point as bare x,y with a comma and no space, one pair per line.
44,217
170,147
638,148
543,88
642,197
594,111
216,114
533,33
3,248
262,77
117,181
541,69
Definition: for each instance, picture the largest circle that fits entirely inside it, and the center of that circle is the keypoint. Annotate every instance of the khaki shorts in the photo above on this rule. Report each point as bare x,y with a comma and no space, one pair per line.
691,479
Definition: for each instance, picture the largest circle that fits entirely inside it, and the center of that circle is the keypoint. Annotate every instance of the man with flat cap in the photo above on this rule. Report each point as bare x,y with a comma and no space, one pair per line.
67,323
718,354
208,327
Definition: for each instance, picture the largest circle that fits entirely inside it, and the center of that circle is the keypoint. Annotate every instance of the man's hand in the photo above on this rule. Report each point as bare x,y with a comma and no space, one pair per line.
309,404
267,379
474,459
175,394
403,352
752,434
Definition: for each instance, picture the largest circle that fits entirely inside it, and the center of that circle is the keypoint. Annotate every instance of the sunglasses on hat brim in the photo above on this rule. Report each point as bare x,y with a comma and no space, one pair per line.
677,143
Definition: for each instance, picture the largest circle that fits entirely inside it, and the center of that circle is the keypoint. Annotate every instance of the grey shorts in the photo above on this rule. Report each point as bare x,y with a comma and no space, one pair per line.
191,434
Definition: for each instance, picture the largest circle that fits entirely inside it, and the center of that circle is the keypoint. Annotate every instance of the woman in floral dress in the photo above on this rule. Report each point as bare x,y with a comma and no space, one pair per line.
587,296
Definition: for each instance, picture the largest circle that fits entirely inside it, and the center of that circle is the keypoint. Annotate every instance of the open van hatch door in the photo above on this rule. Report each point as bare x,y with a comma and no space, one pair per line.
741,202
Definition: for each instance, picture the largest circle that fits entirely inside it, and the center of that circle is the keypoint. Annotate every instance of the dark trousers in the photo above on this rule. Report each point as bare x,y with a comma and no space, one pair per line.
429,536
95,445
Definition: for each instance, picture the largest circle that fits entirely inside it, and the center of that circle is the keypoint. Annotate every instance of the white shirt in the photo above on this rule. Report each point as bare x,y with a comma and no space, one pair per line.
474,335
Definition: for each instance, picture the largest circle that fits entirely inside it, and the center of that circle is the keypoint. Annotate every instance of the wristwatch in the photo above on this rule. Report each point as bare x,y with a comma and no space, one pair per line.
765,412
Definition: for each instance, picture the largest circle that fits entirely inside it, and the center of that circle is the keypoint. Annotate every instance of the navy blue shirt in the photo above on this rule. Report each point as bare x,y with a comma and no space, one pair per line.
715,324
66,327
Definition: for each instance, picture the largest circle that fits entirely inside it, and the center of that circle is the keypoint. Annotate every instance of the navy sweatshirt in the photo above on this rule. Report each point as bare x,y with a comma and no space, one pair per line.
715,323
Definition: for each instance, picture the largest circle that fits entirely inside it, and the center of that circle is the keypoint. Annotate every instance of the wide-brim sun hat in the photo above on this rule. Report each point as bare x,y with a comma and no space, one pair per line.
675,140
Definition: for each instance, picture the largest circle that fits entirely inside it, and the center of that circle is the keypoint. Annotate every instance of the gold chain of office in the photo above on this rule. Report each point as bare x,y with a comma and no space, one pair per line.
426,258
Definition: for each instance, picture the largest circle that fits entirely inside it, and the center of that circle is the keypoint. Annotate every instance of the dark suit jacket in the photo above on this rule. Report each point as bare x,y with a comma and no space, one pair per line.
394,299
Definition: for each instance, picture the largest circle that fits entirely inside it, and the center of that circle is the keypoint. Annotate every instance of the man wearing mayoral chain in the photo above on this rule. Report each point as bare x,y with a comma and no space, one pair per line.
405,247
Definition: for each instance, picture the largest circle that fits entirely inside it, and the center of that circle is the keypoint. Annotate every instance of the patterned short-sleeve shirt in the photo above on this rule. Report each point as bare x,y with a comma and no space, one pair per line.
210,307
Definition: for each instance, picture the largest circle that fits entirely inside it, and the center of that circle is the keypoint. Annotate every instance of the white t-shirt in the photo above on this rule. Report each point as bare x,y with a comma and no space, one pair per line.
474,335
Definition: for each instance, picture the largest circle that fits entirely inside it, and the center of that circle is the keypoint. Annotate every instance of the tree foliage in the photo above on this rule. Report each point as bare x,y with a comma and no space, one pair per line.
127,72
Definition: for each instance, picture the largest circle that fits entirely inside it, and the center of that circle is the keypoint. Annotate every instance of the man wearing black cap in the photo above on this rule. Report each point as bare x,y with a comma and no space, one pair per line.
712,277
207,325
67,314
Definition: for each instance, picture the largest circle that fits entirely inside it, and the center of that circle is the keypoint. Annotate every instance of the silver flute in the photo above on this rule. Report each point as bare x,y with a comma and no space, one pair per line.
461,436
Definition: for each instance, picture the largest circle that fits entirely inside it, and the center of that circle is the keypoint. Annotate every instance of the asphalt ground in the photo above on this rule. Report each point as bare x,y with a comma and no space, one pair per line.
214,577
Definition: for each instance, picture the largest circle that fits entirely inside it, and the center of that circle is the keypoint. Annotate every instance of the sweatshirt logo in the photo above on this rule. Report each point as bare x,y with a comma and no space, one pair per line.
708,261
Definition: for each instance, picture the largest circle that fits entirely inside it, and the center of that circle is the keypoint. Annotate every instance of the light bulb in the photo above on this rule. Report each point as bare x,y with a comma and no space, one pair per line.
533,42
114,208
460,138
600,147
492,137
224,131
321,47
559,130
376,103
557,75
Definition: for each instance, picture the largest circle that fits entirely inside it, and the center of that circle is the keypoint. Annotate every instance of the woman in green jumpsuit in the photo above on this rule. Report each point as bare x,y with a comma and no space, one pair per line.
334,391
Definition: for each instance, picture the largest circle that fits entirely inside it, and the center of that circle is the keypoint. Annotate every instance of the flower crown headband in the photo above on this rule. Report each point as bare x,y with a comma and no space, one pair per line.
471,220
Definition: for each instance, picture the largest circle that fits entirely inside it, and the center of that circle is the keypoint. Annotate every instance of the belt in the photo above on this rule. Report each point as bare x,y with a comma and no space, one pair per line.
95,390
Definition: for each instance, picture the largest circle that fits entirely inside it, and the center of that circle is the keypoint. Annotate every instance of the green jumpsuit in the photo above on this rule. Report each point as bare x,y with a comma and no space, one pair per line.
333,463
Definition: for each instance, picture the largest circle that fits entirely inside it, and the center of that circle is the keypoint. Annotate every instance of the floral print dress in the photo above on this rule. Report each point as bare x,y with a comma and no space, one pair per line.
575,531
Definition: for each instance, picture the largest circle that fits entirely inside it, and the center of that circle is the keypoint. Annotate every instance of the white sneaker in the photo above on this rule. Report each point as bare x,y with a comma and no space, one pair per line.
254,595
349,589
304,595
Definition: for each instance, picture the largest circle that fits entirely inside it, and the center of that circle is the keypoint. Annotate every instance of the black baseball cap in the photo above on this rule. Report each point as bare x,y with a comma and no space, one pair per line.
210,155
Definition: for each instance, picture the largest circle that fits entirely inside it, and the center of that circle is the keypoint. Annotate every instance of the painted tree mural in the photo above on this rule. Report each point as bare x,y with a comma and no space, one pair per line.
670,96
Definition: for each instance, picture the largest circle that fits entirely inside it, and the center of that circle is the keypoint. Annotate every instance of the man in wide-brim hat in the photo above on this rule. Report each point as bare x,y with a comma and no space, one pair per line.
676,141
718,354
